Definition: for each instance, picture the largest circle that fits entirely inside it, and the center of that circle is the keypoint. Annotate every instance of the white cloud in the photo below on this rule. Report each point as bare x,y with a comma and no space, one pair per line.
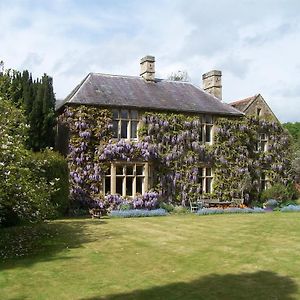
255,43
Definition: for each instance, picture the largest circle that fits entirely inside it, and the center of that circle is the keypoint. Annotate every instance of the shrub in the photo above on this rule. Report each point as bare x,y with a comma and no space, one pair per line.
54,168
290,208
24,194
279,192
167,206
134,213
271,203
178,209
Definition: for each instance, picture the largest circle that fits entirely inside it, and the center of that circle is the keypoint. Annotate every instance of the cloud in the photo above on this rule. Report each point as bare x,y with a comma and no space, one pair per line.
255,43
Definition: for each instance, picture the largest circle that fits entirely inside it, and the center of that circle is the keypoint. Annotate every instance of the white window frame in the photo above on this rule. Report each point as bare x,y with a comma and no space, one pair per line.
207,124
130,121
204,177
112,175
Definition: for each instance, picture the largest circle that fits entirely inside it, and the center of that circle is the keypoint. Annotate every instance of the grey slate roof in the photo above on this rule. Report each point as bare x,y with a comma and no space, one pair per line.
130,91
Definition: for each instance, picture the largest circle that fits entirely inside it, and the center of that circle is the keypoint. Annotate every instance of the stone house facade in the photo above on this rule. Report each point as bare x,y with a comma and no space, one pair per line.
128,99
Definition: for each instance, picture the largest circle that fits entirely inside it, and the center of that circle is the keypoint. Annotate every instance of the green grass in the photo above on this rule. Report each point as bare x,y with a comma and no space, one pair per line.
176,257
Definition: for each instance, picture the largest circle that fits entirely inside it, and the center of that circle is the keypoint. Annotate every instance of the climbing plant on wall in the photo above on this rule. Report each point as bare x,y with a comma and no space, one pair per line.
173,143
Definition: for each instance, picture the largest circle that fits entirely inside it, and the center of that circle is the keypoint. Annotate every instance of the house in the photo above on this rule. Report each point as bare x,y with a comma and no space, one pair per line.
127,134
255,106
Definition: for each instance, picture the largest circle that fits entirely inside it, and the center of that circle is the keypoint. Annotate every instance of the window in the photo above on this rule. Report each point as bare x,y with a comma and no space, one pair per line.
126,179
206,129
262,145
258,112
264,182
206,179
125,124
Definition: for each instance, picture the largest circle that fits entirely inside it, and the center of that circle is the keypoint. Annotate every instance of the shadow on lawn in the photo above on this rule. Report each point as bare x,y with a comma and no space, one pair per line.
262,285
22,246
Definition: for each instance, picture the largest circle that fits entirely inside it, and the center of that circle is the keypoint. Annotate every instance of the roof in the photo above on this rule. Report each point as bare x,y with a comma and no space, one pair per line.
131,91
243,104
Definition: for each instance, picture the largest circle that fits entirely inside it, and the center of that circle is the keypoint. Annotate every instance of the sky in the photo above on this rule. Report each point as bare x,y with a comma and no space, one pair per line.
256,44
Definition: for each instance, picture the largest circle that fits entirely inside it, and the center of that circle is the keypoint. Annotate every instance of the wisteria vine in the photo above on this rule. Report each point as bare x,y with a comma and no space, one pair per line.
173,144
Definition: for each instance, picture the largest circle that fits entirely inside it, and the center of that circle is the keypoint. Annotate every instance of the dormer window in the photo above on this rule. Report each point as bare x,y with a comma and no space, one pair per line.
125,124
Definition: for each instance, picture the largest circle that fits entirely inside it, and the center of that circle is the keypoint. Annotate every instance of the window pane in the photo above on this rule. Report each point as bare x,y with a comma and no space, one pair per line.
119,170
124,125
133,133
208,185
115,114
208,134
208,119
115,129
129,182
139,185
201,133
139,170
119,185
208,171
129,170
124,114
107,171
107,186
201,172
134,114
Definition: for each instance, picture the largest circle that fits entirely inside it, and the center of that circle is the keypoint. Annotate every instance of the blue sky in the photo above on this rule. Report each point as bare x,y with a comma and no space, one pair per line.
256,44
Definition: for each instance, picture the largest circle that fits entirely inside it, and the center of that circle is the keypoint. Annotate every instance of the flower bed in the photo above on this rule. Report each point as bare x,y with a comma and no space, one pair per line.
290,208
135,213
231,210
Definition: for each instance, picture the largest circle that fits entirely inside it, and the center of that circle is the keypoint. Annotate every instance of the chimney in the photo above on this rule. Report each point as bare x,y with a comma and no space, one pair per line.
148,68
212,83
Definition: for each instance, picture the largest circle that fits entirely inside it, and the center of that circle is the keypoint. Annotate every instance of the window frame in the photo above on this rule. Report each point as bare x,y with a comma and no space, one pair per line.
113,176
204,177
207,125
119,119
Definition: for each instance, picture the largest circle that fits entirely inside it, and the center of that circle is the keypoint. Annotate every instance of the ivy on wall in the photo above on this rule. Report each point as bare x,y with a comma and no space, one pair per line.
239,165
172,143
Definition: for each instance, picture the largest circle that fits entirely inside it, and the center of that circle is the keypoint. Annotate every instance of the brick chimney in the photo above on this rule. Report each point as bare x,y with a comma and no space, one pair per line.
148,68
212,83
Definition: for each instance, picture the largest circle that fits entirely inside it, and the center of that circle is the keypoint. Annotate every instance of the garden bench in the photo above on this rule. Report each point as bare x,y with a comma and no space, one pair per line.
216,202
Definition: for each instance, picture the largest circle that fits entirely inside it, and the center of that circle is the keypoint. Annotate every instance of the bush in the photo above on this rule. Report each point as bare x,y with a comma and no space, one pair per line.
134,213
178,209
291,208
54,168
24,194
167,206
271,203
279,192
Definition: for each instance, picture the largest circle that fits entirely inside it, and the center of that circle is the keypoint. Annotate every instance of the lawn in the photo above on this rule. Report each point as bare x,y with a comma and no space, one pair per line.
255,256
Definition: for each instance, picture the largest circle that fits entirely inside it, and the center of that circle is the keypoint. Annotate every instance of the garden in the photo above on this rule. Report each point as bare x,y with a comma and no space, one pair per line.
180,256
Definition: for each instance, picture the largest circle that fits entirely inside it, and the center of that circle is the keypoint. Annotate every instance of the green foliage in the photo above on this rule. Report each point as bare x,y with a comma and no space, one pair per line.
37,100
24,195
239,165
280,193
294,130
55,170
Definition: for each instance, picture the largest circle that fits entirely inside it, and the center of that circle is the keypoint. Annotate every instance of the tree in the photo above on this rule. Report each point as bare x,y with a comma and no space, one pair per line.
24,194
37,99
179,76
294,130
